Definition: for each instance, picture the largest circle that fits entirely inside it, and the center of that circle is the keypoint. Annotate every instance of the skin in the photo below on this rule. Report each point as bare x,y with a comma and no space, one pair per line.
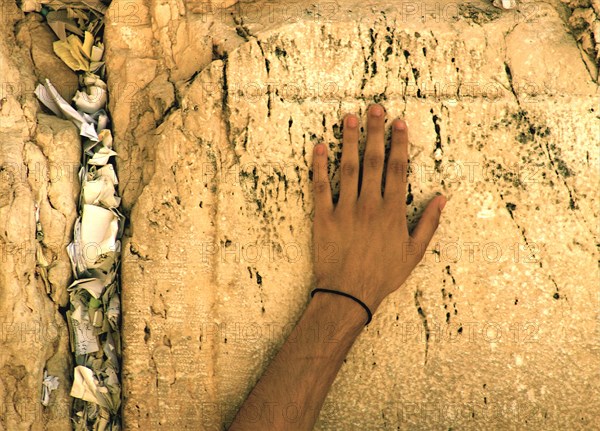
373,254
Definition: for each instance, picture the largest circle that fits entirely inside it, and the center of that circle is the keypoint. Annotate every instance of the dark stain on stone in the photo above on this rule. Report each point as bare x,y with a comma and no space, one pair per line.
418,295
280,52
147,333
387,52
416,73
409,195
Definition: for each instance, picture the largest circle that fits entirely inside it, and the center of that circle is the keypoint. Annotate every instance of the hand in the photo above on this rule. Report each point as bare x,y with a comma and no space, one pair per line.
362,245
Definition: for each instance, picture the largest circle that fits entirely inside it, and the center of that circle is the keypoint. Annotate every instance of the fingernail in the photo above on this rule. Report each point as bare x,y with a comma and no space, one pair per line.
320,149
399,125
376,111
442,204
352,122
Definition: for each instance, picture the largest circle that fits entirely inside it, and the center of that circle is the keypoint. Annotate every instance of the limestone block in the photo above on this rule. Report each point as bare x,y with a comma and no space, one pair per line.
54,176
494,330
584,19
38,38
33,333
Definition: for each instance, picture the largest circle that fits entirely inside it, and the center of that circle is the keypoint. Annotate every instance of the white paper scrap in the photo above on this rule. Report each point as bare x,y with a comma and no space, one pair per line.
110,351
49,384
101,191
99,229
54,101
108,171
113,311
75,252
100,157
94,286
84,332
85,387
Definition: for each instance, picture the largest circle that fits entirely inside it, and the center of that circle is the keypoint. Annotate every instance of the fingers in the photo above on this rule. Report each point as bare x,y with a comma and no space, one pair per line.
397,167
428,223
349,164
374,154
322,189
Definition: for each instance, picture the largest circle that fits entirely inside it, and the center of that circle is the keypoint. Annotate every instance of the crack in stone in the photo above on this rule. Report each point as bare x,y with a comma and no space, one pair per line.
438,140
510,82
225,102
170,109
290,123
365,61
510,208
419,294
572,204
268,68
373,37
242,31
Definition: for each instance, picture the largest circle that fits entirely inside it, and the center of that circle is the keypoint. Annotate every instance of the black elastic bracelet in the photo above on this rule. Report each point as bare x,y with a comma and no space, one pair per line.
347,295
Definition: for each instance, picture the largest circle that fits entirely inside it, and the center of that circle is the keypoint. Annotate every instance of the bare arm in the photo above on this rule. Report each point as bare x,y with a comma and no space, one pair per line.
291,392
374,254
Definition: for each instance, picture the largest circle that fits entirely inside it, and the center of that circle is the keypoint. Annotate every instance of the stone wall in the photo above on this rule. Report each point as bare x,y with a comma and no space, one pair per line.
216,121
215,113
39,160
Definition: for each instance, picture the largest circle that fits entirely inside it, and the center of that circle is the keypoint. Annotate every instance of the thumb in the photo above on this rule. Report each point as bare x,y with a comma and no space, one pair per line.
429,221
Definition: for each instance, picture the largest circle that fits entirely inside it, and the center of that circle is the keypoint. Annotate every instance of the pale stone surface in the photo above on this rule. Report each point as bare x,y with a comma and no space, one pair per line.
215,168
33,334
52,172
215,115
38,37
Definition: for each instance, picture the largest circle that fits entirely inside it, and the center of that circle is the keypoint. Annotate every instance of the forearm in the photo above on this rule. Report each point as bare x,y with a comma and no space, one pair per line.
291,392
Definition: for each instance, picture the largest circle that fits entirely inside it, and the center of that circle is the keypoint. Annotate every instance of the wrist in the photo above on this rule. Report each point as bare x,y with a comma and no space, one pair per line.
370,294
338,309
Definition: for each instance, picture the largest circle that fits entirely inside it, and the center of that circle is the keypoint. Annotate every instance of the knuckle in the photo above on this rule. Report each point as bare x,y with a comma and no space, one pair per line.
369,207
320,175
373,160
396,167
349,169
321,186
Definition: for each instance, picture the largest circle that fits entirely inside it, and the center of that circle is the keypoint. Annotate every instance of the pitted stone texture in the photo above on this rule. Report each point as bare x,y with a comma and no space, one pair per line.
584,19
33,334
35,34
495,329
53,173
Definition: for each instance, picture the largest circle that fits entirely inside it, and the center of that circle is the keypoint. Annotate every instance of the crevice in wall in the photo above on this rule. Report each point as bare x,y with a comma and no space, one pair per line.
93,309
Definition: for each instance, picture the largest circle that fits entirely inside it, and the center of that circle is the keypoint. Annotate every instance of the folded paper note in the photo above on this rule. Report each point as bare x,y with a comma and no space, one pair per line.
86,387
85,338
99,228
54,101
49,384
93,286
